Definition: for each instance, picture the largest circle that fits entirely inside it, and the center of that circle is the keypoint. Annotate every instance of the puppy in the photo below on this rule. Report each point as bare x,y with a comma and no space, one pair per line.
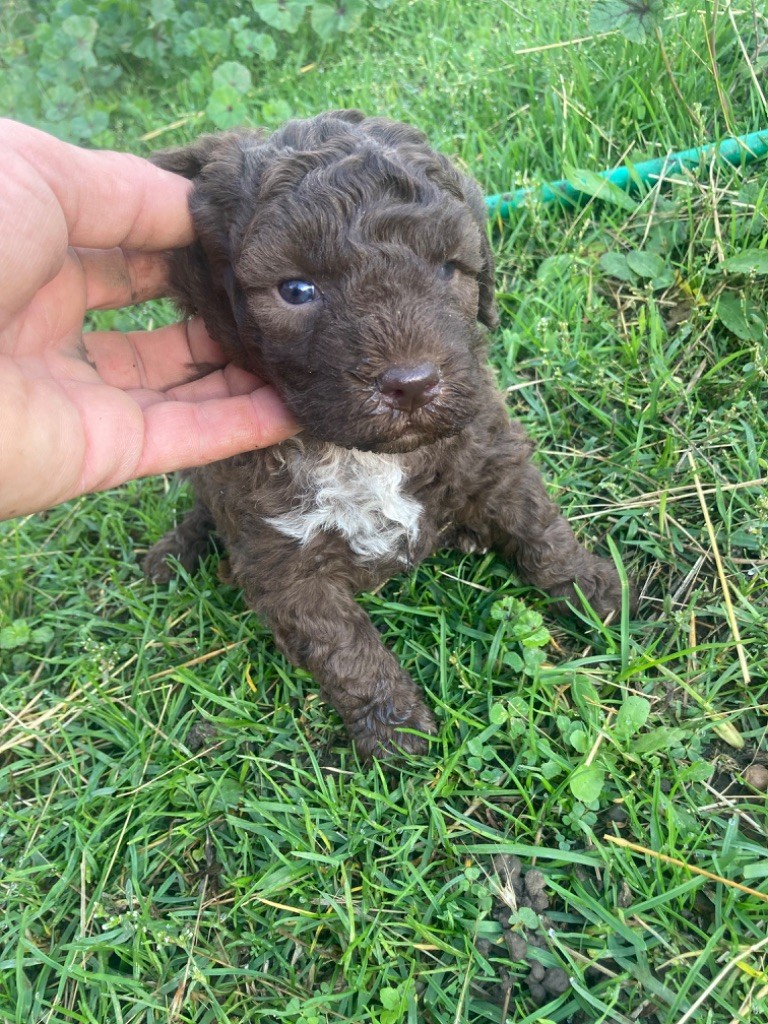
345,262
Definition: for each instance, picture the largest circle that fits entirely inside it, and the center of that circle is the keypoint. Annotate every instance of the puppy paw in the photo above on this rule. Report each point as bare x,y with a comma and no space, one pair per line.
156,566
378,731
601,586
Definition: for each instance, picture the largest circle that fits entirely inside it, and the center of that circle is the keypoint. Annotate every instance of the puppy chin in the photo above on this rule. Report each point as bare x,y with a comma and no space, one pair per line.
400,446
383,432
376,445
401,443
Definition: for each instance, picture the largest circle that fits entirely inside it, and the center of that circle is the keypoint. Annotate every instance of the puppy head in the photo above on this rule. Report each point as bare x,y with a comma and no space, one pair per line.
347,263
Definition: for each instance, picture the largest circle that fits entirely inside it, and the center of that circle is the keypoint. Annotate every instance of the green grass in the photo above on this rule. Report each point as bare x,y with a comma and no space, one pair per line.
185,835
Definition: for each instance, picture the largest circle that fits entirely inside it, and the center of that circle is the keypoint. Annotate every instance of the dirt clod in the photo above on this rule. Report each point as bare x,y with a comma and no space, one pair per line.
518,890
756,776
534,882
202,734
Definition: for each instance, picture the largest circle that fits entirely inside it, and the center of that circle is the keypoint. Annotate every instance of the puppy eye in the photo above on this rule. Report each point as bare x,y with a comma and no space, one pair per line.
447,270
297,292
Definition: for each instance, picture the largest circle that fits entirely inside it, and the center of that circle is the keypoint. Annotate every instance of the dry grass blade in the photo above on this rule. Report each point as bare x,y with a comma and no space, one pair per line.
724,585
199,660
712,986
636,848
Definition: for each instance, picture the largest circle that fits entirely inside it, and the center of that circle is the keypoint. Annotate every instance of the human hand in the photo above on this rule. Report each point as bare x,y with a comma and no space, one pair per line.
82,412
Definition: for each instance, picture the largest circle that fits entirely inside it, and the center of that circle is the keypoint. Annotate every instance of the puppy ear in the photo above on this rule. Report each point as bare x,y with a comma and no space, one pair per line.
202,275
487,313
486,310
187,161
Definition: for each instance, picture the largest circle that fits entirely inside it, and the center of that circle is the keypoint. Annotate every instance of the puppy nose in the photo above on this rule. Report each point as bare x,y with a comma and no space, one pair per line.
410,387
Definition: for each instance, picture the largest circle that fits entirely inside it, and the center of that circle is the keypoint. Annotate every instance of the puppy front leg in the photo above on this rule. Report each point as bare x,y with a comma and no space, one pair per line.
320,627
527,527
189,543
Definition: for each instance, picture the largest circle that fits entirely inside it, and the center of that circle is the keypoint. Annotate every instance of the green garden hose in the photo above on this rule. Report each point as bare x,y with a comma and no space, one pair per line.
739,150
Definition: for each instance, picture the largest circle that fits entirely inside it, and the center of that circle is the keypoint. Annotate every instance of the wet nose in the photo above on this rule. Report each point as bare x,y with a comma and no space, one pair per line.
409,387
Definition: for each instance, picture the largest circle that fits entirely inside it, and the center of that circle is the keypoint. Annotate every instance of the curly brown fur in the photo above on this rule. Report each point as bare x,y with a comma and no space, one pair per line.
406,444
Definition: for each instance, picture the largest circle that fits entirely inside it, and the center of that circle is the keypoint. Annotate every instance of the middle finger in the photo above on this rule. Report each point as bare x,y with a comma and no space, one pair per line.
115,278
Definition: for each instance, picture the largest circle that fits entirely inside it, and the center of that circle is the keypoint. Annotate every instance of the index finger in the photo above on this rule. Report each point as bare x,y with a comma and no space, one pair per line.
108,199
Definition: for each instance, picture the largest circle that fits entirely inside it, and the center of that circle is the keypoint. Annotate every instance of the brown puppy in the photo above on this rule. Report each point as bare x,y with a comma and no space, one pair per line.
347,263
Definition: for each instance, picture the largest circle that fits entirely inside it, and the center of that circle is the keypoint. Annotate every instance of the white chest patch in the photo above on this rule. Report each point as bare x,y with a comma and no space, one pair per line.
357,494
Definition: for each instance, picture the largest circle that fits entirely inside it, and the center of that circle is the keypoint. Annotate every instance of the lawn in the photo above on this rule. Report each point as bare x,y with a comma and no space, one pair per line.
185,835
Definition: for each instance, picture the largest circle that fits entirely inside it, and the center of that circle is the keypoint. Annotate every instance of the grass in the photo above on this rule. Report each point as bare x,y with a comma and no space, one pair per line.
185,835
